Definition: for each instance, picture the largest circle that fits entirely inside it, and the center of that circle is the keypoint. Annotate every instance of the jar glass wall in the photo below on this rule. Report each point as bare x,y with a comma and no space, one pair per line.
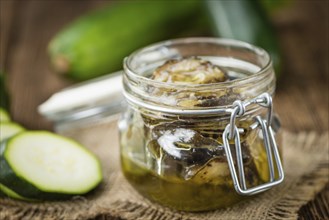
171,134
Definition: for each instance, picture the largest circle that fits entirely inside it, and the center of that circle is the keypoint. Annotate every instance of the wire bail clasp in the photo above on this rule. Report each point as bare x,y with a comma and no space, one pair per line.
231,131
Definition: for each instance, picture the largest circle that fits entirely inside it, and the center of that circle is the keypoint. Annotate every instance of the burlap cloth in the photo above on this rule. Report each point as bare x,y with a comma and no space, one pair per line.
306,169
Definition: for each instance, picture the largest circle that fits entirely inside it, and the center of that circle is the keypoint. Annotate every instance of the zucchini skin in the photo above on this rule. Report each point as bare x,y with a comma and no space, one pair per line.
96,44
10,193
245,20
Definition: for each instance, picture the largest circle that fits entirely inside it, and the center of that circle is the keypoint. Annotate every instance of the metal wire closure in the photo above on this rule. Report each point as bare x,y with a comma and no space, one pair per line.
231,131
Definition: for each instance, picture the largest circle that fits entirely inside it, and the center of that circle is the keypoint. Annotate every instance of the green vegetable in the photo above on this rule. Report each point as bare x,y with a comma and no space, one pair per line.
44,166
2,194
272,6
97,43
9,129
4,97
4,116
246,21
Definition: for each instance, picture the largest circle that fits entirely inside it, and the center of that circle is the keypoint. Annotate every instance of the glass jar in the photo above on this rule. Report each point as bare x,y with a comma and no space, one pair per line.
197,147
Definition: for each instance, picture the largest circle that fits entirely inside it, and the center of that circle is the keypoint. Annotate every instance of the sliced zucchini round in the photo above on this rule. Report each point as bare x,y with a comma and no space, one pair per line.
43,165
9,129
4,116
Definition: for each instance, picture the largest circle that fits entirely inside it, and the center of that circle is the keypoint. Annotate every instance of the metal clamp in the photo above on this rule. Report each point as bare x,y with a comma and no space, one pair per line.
231,131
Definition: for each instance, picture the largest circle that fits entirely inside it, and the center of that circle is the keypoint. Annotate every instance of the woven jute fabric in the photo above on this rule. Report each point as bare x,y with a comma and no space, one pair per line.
305,158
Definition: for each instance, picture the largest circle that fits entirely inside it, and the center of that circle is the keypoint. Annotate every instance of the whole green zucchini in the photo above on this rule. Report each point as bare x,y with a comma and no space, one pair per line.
2,194
4,97
244,20
96,44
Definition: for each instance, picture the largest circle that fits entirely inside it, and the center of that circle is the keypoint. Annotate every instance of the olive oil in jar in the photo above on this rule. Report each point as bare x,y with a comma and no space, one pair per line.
204,185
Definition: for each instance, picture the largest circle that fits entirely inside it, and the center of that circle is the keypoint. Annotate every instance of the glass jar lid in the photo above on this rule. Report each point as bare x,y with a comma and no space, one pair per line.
250,68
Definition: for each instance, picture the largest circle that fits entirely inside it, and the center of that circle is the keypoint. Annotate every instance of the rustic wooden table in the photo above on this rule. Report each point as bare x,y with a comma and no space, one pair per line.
302,93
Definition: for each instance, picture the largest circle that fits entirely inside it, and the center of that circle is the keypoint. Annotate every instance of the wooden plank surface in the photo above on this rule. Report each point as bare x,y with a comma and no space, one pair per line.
31,26
302,93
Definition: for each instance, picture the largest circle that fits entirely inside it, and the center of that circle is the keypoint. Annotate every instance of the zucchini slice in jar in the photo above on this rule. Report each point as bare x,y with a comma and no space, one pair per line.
46,166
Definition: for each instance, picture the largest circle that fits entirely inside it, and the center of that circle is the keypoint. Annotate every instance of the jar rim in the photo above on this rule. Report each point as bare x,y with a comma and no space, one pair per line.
219,41
218,96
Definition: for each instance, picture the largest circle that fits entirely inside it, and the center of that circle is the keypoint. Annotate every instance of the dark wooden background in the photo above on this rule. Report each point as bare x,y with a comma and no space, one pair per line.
302,92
